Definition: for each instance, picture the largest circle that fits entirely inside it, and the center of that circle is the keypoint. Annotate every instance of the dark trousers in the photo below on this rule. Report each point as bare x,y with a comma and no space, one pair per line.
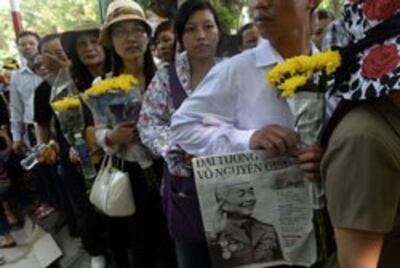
48,185
144,235
63,203
4,225
192,254
90,224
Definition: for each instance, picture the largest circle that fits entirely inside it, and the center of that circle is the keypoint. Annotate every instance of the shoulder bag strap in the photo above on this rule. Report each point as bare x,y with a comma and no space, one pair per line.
178,93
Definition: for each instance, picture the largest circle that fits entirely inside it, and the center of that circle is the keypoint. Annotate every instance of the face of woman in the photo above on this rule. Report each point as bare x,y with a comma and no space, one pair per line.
90,52
39,66
201,35
129,39
165,45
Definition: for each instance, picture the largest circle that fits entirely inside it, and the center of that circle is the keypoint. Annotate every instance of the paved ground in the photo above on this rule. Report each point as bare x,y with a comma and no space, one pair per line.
40,246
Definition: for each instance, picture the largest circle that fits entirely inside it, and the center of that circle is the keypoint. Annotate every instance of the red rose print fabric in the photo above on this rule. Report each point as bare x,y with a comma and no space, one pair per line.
380,61
380,9
378,70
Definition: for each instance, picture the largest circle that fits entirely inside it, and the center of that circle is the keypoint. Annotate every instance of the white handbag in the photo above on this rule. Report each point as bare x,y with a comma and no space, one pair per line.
111,192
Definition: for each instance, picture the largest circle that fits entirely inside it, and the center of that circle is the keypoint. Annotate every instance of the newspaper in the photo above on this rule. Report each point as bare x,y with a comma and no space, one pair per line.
257,211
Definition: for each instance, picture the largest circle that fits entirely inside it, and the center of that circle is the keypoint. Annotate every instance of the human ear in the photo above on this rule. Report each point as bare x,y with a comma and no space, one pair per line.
313,4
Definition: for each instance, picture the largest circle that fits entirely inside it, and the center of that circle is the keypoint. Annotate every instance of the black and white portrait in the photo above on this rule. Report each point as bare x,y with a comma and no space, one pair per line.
239,238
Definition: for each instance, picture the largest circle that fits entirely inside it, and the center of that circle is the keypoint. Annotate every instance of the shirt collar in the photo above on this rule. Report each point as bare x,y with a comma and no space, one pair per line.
26,69
267,55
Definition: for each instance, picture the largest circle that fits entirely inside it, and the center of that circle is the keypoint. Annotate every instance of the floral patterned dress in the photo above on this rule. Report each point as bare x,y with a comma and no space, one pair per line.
157,110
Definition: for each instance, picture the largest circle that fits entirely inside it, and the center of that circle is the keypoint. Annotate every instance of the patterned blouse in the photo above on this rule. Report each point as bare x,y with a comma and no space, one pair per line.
157,110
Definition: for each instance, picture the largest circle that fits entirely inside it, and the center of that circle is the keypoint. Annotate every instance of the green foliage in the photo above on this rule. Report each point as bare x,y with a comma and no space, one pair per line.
229,12
6,34
48,16
335,6
45,16
146,3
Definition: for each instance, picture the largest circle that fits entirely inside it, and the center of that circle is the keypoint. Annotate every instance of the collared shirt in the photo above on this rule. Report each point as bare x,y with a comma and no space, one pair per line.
233,101
157,110
244,242
22,90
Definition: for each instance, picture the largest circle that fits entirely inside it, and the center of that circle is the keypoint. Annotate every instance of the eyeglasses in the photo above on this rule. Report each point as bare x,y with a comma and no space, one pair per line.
125,33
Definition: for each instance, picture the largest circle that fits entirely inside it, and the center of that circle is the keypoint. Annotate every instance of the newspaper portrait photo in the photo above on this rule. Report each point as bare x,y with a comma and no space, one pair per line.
257,211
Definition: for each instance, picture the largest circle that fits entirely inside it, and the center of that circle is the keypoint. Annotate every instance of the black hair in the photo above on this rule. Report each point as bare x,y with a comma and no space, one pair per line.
48,38
27,33
82,77
324,14
149,65
187,10
162,27
242,30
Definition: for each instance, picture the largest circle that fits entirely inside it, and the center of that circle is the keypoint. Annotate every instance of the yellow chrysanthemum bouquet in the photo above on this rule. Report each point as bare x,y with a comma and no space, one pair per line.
68,108
65,104
303,81
114,100
304,73
118,100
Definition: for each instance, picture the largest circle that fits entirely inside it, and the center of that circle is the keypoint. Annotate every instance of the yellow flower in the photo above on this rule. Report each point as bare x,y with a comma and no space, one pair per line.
333,61
295,66
123,83
292,84
328,61
294,73
66,103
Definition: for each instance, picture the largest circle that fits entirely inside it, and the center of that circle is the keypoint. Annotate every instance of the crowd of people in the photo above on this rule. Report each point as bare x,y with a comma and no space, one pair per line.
196,103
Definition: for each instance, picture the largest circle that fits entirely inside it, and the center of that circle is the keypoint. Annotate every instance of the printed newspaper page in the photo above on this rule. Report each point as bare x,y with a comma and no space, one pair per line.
257,211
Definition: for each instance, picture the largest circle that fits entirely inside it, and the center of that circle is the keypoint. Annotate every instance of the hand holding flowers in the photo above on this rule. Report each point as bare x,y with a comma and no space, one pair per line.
303,81
69,113
115,103
122,133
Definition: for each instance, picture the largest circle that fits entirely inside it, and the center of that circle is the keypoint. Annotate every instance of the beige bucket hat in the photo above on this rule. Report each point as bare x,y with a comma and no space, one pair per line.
122,10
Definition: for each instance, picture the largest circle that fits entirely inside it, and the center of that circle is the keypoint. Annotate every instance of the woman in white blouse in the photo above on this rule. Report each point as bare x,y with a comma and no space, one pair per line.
127,33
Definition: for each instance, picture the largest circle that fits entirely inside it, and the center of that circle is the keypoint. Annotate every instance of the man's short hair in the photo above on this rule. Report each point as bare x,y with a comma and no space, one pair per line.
48,38
27,33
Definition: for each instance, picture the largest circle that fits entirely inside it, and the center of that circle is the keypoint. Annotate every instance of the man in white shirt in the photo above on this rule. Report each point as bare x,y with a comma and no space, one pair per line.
235,109
22,88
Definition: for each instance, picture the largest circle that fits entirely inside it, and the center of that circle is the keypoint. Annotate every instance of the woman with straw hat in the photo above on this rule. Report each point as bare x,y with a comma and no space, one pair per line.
127,34
89,60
